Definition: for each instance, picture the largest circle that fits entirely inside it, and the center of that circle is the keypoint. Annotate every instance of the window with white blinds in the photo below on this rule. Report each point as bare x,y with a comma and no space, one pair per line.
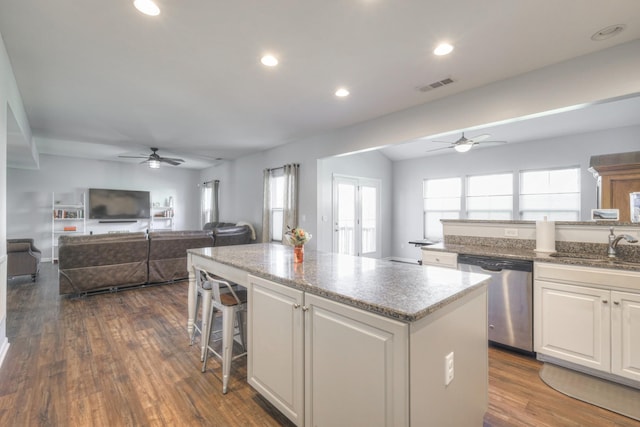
490,196
554,193
442,200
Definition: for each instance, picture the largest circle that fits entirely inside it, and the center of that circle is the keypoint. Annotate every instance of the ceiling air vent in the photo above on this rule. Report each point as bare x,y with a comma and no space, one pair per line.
435,85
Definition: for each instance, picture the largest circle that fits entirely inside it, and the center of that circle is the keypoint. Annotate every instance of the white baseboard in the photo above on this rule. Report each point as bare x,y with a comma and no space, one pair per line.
4,349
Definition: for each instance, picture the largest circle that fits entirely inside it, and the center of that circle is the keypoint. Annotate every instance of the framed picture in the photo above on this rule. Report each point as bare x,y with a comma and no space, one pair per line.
605,214
634,203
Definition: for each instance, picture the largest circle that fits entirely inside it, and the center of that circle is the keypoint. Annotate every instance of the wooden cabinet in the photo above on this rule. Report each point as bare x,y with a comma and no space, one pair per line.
309,355
574,323
276,341
355,366
618,175
588,317
439,258
625,334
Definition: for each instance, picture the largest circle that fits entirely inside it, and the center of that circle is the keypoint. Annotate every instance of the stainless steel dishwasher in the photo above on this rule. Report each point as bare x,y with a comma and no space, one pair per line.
510,298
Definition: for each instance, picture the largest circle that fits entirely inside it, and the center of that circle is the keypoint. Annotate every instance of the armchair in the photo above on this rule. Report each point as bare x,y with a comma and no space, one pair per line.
22,258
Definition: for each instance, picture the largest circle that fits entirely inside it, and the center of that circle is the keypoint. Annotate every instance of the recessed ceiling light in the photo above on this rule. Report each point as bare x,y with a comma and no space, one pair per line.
148,7
443,49
342,92
269,60
607,33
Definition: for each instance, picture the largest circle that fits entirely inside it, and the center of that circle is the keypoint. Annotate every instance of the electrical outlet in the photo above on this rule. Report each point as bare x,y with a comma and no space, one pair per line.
511,232
448,368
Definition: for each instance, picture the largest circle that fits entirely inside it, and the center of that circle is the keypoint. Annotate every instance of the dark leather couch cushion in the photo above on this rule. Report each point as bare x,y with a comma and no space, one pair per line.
236,235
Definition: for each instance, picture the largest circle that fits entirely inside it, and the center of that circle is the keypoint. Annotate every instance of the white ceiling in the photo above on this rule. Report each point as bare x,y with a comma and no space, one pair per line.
99,79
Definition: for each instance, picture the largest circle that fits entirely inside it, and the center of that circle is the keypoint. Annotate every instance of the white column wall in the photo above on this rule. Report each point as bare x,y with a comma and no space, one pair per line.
10,106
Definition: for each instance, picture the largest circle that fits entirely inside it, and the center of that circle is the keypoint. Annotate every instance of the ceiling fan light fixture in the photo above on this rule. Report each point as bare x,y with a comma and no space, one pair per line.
269,61
342,92
463,148
154,164
443,49
148,7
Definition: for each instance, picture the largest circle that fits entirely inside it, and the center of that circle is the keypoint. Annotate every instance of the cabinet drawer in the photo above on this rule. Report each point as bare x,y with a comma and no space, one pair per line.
441,259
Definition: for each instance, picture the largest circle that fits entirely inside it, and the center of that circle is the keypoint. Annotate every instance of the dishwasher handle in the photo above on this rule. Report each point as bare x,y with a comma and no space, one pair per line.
491,268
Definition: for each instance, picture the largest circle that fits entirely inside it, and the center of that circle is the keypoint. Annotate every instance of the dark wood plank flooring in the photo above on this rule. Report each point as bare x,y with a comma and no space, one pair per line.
123,359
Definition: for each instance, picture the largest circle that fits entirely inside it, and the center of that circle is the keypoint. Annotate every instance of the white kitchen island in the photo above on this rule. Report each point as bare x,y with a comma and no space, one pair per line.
351,341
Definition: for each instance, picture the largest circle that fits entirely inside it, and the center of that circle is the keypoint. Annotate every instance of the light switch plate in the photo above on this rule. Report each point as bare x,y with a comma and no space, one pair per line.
448,368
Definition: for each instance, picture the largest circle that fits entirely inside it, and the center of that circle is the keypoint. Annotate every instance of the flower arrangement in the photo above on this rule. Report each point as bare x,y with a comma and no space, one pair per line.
297,236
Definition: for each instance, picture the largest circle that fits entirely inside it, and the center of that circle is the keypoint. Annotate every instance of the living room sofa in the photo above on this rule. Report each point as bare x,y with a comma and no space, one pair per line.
112,261
230,233
102,261
168,253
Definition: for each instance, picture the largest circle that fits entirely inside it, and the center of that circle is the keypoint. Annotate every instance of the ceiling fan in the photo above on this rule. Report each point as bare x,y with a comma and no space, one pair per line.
464,144
154,159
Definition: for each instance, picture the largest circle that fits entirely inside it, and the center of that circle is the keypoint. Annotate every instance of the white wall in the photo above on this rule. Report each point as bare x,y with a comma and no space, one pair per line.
574,150
29,195
578,81
11,108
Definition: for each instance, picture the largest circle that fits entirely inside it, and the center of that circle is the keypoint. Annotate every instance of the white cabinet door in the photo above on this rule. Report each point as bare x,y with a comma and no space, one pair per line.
625,335
356,372
276,342
573,323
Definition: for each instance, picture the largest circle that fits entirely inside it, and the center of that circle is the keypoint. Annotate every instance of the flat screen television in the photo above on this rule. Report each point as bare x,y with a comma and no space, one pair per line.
118,204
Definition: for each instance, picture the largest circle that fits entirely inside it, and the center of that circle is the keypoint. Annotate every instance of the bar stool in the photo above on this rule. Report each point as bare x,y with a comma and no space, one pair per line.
220,296
202,289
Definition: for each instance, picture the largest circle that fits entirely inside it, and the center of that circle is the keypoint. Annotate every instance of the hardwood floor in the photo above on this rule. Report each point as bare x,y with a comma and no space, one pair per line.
123,359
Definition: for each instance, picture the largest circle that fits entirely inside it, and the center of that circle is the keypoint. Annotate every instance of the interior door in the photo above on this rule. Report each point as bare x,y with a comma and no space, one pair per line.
356,216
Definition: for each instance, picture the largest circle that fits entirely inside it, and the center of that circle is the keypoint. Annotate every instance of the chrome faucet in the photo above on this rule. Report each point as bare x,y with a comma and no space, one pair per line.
614,240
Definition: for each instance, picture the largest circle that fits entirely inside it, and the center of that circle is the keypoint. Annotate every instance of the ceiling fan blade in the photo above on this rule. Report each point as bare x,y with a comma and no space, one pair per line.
491,142
173,159
479,138
438,149
133,157
170,161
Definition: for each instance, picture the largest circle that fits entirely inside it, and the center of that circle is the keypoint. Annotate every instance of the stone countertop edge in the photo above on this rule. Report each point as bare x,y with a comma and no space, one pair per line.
386,299
524,254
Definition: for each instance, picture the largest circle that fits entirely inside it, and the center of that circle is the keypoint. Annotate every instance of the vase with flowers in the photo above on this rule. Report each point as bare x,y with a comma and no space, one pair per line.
297,237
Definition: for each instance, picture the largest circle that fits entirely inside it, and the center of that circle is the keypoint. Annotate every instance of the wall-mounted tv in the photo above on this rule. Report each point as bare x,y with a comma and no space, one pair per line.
118,204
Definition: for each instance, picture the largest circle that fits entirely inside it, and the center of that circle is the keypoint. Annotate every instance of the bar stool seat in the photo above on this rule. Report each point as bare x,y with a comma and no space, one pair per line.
223,298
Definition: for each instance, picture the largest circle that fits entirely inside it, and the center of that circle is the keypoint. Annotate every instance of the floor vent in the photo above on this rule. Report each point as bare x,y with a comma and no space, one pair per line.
435,85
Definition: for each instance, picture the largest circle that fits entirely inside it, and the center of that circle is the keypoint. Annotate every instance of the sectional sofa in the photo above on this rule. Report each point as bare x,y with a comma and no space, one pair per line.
92,263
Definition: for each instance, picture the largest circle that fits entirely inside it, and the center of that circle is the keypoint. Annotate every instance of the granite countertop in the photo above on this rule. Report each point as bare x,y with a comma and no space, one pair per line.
401,291
569,258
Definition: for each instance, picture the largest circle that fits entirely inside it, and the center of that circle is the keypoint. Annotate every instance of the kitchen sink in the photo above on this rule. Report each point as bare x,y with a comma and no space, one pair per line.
593,259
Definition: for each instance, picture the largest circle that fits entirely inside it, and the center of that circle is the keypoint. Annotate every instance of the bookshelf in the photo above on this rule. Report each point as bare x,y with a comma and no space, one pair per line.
68,217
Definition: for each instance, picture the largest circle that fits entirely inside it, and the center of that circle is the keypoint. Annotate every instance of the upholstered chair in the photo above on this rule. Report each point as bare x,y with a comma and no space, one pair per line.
22,258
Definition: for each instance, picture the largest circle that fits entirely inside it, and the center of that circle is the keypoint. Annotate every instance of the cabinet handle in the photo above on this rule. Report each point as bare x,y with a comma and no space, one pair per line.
305,308
296,306
604,301
616,302
437,259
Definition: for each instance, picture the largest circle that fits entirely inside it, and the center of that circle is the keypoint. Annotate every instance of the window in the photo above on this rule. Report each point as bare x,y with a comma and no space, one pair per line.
552,193
277,204
490,196
442,198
